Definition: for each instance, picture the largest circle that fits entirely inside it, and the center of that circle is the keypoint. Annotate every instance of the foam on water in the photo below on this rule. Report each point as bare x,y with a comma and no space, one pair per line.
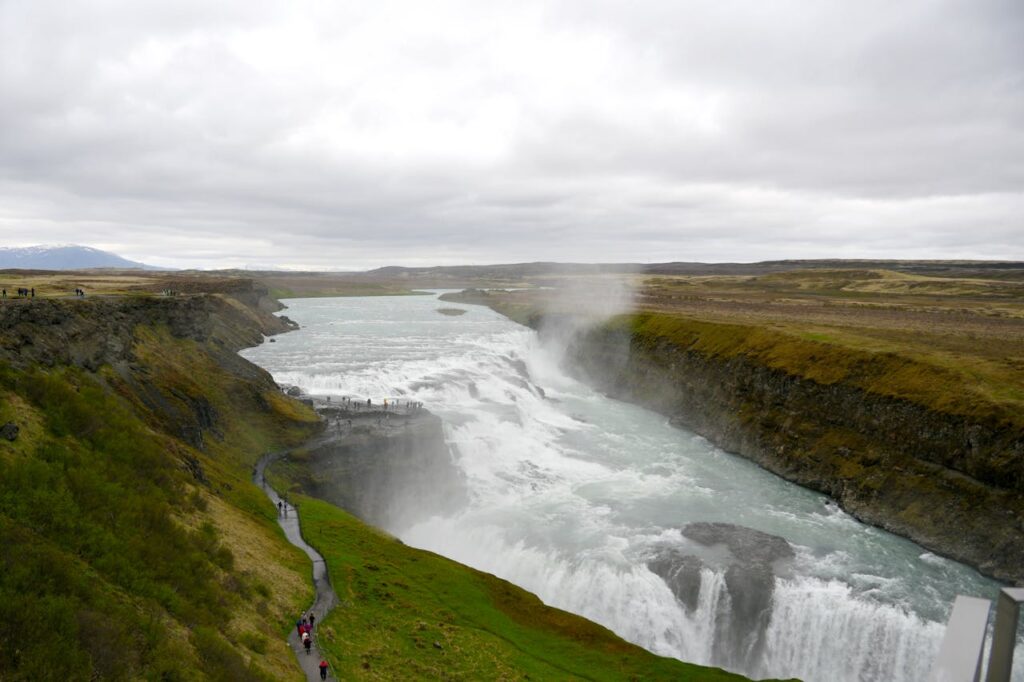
571,493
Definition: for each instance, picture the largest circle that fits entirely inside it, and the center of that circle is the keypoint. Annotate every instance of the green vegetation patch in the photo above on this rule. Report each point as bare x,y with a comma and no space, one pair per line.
101,562
136,554
411,614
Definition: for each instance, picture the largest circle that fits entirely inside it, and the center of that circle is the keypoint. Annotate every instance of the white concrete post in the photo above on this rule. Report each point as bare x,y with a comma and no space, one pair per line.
1004,637
959,658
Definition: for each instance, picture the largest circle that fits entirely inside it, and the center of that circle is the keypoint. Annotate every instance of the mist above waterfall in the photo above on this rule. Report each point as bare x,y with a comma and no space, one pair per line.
572,495
579,304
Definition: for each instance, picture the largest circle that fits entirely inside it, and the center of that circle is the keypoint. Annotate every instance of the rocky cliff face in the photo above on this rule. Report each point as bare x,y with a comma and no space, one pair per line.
390,470
109,332
949,482
751,561
93,332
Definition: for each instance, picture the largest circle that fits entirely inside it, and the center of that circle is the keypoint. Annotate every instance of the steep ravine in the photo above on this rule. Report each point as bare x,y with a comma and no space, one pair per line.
866,451
950,482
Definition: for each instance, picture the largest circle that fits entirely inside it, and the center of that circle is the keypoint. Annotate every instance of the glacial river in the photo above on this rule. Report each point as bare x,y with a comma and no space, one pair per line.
572,495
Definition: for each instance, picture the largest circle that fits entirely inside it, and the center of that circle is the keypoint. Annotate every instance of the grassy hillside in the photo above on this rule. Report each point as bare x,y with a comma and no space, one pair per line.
411,614
134,548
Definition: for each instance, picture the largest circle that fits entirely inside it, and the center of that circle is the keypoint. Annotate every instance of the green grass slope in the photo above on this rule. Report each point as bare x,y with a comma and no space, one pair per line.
410,614
130,552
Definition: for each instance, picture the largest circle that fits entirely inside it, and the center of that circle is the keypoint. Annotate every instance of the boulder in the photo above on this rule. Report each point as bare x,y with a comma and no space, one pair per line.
749,546
681,572
9,431
751,561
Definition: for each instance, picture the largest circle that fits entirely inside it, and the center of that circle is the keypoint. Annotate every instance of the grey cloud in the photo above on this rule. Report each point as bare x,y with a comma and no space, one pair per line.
248,132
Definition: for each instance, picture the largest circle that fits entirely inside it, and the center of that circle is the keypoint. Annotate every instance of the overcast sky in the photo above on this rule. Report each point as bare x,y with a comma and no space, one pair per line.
357,134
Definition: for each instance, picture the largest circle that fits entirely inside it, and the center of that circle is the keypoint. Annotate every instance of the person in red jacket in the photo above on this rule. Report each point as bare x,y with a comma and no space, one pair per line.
323,669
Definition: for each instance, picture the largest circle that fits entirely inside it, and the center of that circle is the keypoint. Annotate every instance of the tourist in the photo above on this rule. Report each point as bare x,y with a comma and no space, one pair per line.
323,669
307,641
312,619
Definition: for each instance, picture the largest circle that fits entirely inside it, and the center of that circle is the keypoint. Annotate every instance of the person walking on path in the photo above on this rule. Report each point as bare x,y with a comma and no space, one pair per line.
323,668
307,641
312,619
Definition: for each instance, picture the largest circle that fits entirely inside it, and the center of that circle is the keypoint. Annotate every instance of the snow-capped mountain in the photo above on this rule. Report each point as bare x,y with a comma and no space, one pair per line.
63,257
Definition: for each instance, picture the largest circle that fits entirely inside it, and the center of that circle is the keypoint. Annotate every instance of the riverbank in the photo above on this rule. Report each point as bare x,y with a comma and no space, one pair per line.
929,451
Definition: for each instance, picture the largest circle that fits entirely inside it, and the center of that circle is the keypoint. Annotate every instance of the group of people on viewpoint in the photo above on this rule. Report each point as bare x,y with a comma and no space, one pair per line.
30,292
398,406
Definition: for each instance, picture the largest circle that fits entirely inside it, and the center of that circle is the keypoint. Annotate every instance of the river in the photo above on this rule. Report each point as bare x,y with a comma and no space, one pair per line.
572,495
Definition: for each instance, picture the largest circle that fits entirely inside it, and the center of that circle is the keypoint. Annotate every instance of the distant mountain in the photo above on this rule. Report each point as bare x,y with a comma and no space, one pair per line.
64,257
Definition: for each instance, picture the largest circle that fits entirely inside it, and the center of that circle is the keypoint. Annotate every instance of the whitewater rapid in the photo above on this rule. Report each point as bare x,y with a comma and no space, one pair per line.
572,494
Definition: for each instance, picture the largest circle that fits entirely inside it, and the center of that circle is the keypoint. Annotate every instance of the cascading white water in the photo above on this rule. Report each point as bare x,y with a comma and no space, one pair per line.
572,494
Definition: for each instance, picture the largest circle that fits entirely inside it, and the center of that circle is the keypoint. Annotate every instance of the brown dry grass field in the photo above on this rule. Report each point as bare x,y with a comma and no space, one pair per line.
872,310
142,283
49,283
